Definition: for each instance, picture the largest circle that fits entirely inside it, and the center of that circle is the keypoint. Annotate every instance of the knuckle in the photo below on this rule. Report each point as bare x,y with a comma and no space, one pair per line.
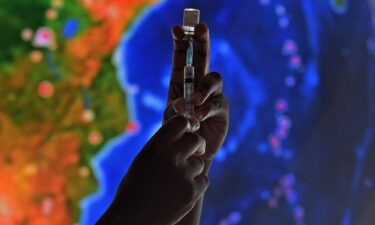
217,77
222,102
204,183
200,164
201,140
216,103
196,162
200,161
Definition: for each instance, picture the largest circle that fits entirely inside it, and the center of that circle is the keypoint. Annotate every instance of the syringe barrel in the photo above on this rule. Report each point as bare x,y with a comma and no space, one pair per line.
188,90
191,18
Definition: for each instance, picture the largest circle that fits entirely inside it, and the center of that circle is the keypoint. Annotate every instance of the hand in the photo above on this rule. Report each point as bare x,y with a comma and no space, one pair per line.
164,181
211,106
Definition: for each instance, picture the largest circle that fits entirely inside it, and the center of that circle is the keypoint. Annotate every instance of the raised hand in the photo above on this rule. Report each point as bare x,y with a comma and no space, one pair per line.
164,181
211,106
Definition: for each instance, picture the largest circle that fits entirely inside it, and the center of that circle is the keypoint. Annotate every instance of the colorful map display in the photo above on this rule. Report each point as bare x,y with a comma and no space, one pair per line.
83,85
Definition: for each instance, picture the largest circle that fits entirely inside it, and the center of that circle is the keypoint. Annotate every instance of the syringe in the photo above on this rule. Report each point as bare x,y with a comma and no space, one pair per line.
191,18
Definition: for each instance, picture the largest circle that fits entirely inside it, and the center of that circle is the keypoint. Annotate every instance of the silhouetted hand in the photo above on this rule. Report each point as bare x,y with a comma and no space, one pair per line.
164,181
211,106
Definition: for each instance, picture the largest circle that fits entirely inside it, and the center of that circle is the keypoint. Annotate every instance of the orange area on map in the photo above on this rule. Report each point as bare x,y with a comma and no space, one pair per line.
40,160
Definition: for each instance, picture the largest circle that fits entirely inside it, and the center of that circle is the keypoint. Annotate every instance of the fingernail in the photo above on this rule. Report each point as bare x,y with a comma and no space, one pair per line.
178,106
195,124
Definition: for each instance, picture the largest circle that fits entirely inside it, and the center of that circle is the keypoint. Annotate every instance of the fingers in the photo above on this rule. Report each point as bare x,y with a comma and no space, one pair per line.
173,129
201,57
216,107
202,184
201,180
179,105
211,84
191,144
180,47
178,63
195,166
201,48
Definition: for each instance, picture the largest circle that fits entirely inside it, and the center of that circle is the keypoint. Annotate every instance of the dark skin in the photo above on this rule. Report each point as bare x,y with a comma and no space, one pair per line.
166,182
211,106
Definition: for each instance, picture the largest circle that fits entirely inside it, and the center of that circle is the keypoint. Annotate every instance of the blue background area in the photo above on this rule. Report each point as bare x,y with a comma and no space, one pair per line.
321,172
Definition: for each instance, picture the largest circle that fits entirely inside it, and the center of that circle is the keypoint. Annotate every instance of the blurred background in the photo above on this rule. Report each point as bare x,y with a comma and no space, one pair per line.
83,85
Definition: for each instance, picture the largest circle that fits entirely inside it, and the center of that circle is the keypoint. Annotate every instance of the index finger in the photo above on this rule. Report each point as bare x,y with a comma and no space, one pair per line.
201,57
178,63
180,48
201,48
